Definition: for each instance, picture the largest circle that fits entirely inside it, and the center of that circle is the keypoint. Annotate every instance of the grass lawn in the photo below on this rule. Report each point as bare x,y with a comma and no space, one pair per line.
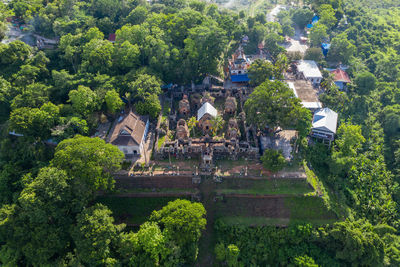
279,211
264,187
161,141
309,210
133,210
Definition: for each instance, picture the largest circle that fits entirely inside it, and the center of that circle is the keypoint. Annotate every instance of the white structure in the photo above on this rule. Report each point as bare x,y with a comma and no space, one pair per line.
204,116
312,106
130,134
206,108
324,124
310,71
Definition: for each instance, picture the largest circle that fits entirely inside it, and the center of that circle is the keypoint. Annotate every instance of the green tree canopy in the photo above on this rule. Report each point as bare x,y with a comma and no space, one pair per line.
149,106
260,71
94,234
365,83
341,49
84,100
113,101
35,229
302,16
356,242
273,160
318,34
145,86
90,161
273,104
34,122
182,222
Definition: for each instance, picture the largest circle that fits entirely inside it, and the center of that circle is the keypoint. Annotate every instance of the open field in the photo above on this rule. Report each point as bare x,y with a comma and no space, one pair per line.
274,210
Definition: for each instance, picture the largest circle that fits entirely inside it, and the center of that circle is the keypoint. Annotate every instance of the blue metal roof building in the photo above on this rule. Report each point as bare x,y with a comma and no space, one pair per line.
240,78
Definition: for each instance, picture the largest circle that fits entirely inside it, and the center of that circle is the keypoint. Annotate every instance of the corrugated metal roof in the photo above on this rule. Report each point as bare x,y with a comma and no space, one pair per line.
206,108
309,68
340,75
240,78
325,119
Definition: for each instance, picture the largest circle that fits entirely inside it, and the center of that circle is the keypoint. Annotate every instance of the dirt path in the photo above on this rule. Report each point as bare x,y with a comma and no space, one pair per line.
207,240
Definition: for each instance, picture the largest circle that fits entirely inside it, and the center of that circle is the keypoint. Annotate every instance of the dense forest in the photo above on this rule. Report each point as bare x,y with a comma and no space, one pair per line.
48,216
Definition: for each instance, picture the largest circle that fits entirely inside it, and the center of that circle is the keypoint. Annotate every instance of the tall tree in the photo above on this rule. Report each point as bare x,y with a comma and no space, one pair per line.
84,100
113,101
94,236
34,122
260,71
273,104
90,161
35,229
182,222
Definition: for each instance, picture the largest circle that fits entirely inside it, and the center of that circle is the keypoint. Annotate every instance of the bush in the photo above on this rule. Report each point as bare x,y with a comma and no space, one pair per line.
273,160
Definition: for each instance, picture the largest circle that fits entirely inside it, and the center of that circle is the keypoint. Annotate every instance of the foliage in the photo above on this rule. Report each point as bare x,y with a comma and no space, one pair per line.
113,101
216,124
273,104
227,254
89,161
318,34
35,228
314,53
182,222
34,122
149,106
260,71
273,160
302,17
192,122
145,86
365,83
84,100
341,49
327,15
93,234
356,242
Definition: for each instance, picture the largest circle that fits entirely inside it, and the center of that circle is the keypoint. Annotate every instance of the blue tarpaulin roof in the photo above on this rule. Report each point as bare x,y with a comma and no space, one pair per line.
315,19
240,78
325,48
167,86
309,26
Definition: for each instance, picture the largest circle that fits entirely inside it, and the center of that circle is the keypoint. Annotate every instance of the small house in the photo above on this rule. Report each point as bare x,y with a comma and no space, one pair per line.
324,125
341,79
130,133
310,71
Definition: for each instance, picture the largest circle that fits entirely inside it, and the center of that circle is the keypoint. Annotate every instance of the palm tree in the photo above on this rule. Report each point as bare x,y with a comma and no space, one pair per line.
192,122
216,123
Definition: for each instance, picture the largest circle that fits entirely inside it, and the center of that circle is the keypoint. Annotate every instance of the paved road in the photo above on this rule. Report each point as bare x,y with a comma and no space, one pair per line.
271,16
